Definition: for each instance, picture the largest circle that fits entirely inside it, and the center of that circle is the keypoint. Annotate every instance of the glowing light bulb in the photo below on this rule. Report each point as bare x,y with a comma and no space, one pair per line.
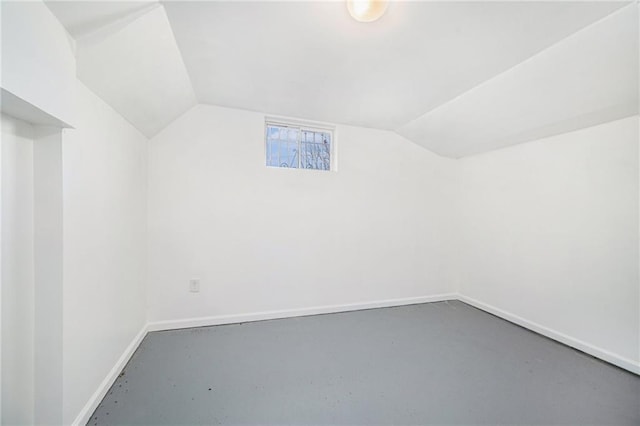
367,10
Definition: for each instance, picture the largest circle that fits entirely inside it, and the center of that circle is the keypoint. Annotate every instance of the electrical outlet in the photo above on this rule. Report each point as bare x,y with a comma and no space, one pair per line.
194,286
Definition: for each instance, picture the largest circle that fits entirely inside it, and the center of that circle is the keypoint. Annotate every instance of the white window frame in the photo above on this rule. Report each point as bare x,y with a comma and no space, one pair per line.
303,125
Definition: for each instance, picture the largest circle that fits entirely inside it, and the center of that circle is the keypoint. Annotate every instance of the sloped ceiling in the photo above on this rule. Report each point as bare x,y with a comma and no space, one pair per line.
455,77
127,54
589,78
139,71
82,18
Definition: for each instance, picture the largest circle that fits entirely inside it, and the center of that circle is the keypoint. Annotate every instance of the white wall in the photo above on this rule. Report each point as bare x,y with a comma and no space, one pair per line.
17,272
38,63
48,280
548,232
104,205
73,238
262,239
52,362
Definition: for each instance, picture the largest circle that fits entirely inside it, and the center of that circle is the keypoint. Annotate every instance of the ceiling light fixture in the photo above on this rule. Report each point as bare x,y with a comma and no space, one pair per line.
367,10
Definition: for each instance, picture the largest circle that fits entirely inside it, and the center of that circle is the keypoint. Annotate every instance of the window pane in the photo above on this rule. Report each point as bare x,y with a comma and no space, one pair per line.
315,148
282,146
272,154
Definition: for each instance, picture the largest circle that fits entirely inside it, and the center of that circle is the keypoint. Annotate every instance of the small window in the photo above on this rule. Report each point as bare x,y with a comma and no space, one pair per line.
298,146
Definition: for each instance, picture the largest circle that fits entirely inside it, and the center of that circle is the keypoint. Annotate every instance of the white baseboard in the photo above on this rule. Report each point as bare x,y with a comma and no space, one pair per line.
102,390
96,398
590,349
289,313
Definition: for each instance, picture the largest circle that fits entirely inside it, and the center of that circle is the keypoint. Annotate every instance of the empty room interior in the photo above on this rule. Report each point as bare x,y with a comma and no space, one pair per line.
350,212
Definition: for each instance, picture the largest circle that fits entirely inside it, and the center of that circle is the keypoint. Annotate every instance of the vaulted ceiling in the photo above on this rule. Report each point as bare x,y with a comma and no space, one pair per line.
458,78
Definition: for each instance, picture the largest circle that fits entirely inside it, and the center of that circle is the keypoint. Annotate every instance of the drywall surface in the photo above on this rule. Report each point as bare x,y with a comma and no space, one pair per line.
17,273
548,232
104,205
384,74
153,84
262,239
38,63
588,78
47,219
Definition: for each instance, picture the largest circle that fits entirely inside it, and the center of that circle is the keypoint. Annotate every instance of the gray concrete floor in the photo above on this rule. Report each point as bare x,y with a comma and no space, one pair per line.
435,363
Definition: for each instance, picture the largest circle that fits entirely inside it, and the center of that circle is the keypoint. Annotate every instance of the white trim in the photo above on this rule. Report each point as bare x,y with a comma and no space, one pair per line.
102,390
299,122
289,313
590,349
98,395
